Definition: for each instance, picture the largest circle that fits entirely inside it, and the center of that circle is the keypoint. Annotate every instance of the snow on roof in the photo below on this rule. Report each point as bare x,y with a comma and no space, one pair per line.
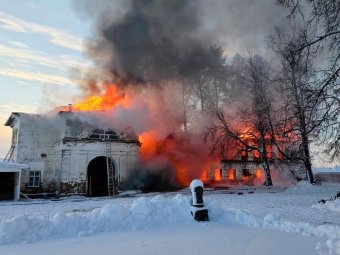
14,115
327,173
13,165
334,169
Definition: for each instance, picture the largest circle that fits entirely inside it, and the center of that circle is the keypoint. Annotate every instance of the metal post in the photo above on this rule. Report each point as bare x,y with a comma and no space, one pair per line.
198,211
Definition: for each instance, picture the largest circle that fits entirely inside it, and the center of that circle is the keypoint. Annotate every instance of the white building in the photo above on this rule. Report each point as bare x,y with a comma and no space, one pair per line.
67,154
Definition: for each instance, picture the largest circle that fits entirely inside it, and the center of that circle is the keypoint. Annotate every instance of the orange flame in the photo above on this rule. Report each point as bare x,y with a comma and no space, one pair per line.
218,175
232,174
204,176
258,173
186,156
149,144
111,98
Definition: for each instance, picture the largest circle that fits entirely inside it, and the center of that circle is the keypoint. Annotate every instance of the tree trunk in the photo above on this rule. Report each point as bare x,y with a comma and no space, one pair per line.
216,99
307,160
201,94
300,107
265,162
268,178
184,111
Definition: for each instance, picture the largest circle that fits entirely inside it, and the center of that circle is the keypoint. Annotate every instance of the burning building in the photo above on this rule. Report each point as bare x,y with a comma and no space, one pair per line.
68,155
243,162
72,151
105,143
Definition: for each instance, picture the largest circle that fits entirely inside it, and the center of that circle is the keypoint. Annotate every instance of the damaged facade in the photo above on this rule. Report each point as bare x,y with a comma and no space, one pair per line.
244,166
68,155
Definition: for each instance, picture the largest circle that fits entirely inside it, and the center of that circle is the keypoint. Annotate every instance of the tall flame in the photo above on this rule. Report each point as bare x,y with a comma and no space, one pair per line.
179,150
111,98
182,150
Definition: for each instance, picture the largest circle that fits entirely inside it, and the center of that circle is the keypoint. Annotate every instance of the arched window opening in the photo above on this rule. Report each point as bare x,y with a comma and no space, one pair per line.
104,134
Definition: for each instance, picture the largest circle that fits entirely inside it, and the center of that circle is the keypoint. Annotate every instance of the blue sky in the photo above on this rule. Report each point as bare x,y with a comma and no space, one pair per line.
40,43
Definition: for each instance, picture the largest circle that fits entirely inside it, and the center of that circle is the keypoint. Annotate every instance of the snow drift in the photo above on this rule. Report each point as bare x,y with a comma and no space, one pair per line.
145,213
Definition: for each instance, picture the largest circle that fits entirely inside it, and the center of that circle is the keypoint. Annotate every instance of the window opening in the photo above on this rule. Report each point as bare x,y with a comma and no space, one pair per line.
104,134
34,179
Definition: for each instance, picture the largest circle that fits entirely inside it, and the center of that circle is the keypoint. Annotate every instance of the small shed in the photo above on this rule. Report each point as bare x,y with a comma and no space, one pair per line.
328,176
10,177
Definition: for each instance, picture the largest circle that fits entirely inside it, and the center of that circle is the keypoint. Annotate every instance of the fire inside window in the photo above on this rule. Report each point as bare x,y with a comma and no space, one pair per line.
104,134
34,179
232,174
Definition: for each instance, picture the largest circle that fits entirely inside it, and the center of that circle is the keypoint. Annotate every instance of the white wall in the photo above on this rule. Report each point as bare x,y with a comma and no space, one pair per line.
66,160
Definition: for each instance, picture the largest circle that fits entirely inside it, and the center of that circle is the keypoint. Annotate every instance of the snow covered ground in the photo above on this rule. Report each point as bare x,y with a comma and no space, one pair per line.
258,221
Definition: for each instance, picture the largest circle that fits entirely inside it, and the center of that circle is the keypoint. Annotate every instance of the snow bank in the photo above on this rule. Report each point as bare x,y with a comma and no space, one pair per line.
273,220
333,206
143,213
303,187
151,212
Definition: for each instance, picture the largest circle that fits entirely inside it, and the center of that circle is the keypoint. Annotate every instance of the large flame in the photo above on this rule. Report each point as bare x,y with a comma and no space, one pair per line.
189,161
111,97
187,153
107,101
182,151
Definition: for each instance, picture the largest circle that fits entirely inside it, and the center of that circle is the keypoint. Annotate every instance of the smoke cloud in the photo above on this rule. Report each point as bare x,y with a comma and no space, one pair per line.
148,41
155,48
154,40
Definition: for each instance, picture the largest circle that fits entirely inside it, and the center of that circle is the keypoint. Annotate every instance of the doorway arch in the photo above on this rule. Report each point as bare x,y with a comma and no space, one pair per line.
97,179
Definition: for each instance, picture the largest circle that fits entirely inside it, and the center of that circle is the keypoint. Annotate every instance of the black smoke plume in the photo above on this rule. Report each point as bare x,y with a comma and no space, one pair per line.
154,40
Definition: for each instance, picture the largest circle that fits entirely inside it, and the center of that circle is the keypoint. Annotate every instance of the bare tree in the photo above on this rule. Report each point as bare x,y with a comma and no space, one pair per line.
321,19
300,87
257,73
255,108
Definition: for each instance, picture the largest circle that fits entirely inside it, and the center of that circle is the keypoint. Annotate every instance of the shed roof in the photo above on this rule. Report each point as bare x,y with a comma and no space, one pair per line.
12,167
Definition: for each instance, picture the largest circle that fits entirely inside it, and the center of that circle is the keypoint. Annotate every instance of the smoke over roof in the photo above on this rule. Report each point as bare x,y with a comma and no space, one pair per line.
165,43
152,41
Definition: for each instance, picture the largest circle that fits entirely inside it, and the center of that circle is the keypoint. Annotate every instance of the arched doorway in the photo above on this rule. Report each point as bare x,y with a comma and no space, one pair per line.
97,179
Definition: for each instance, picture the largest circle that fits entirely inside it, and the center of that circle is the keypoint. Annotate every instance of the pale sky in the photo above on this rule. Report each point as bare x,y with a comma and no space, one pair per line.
39,44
